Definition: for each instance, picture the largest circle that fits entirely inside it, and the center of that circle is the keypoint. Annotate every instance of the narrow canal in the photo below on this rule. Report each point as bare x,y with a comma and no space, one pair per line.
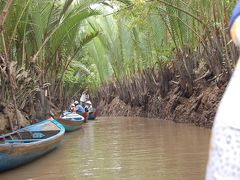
124,148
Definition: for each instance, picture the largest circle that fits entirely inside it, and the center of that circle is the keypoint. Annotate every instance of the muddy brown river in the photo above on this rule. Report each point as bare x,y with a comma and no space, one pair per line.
123,148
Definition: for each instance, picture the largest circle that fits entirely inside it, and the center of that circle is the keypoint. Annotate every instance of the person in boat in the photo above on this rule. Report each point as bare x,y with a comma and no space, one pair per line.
224,156
88,106
79,108
73,108
84,97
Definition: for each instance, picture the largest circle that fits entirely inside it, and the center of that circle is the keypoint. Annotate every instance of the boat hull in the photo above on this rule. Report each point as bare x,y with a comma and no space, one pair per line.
16,154
92,116
89,115
71,123
85,115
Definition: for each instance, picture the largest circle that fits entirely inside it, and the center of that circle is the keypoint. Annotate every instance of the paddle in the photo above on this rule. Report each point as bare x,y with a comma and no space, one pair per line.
54,116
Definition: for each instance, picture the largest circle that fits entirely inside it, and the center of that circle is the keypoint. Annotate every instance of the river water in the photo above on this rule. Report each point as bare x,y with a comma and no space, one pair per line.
123,148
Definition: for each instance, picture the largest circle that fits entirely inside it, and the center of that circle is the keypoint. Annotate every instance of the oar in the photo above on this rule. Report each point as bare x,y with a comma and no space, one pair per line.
54,116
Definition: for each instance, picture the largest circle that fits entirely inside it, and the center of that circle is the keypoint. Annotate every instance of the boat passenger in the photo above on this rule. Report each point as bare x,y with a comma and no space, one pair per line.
79,108
73,108
84,97
88,106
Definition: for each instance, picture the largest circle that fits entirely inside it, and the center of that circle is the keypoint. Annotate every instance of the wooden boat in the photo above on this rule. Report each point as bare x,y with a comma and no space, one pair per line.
71,121
85,115
29,143
92,115
89,115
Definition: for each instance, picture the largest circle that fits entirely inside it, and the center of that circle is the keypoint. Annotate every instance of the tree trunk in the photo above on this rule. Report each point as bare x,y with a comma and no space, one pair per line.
3,17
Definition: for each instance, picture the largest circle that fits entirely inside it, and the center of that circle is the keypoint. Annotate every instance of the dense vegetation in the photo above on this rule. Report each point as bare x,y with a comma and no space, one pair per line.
52,49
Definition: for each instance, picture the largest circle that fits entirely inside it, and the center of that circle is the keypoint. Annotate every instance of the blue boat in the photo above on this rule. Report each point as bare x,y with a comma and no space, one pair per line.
26,144
92,115
71,121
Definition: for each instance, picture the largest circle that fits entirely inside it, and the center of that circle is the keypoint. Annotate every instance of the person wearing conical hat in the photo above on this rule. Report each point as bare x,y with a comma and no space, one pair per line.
88,106
79,108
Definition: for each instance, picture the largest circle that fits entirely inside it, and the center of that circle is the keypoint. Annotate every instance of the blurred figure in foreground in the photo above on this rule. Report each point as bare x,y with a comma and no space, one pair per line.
224,157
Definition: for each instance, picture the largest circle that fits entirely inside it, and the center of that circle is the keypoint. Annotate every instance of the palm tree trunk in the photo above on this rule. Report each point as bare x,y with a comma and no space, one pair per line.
4,13
11,80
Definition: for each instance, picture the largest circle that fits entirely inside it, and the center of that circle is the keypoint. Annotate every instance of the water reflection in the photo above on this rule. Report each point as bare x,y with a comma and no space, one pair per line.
124,148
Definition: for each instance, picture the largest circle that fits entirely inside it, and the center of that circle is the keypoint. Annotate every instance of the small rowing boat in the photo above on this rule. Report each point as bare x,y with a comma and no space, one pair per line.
71,121
26,144
89,115
92,115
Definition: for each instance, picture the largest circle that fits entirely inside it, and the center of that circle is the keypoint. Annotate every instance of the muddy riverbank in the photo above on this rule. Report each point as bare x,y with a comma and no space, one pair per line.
198,108
153,94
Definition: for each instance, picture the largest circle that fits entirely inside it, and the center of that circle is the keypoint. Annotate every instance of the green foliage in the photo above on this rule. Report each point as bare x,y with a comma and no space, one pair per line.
46,38
73,44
